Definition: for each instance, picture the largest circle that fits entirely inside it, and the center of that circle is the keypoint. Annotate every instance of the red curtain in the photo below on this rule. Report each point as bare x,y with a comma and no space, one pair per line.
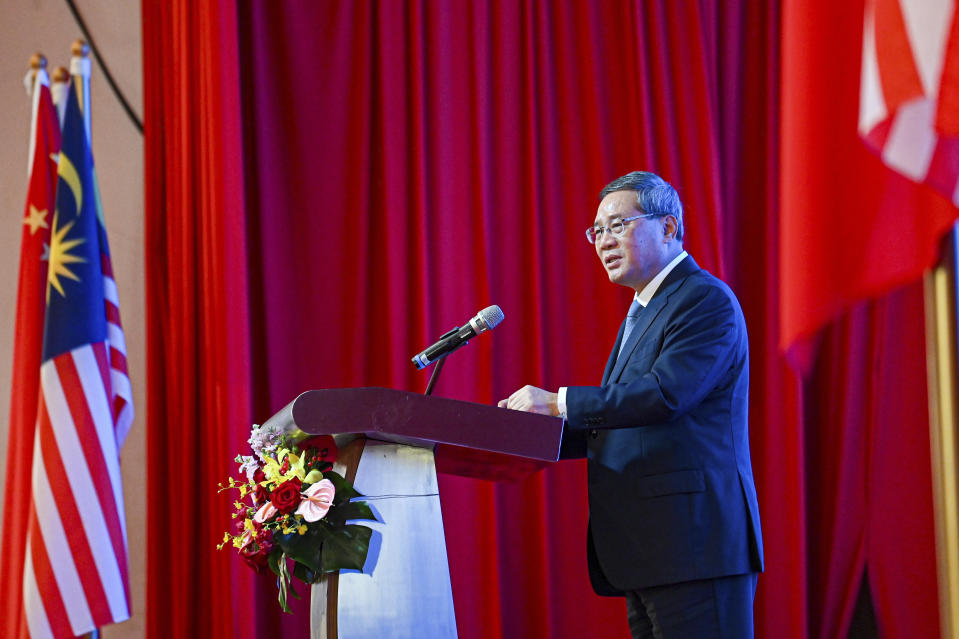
414,163
198,349
397,167
867,463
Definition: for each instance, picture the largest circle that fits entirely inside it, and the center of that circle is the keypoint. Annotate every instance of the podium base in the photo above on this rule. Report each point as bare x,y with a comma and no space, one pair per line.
404,589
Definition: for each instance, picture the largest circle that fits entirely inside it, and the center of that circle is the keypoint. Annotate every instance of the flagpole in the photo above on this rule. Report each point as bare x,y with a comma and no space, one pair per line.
60,83
37,61
38,64
80,67
943,380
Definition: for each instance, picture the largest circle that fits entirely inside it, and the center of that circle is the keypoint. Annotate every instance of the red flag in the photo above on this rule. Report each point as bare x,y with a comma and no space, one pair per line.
909,92
34,246
869,168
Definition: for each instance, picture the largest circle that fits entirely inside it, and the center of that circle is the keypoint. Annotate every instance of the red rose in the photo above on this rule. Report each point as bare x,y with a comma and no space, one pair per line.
259,475
286,497
260,495
256,552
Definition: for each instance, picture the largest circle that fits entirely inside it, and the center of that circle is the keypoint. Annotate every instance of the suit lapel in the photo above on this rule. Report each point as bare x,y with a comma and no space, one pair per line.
646,318
612,356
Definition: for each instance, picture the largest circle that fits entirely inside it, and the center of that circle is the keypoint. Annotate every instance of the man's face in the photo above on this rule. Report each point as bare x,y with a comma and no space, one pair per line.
635,258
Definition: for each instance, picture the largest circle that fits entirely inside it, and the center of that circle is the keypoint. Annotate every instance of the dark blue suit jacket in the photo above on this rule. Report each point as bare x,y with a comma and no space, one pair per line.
671,491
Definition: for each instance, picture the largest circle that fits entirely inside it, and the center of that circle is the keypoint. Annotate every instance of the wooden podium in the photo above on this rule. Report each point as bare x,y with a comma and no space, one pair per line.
391,444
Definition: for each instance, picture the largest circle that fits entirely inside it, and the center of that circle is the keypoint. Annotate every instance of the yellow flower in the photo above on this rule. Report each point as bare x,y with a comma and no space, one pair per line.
302,529
248,525
313,477
272,469
296,467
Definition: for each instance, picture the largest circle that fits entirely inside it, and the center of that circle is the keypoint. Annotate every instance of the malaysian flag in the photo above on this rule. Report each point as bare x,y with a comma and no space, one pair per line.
909,89
75,576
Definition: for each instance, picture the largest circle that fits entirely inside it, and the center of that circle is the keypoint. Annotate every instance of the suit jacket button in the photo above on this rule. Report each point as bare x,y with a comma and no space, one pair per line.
593,433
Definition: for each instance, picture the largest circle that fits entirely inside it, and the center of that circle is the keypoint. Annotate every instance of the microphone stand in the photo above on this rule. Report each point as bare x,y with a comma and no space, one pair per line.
435,375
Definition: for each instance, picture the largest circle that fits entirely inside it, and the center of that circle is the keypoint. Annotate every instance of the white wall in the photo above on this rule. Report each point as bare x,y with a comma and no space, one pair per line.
27,26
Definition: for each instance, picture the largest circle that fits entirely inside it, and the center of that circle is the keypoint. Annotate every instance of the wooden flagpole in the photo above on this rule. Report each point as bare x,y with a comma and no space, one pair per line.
80,68
943,373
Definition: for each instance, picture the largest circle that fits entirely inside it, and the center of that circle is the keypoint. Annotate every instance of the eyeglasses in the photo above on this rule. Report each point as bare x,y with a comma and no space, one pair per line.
617,227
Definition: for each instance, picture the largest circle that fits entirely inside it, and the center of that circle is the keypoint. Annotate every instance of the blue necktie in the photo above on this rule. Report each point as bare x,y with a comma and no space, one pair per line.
632,316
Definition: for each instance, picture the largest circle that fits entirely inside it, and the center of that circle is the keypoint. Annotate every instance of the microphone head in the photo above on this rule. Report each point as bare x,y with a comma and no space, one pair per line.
491,316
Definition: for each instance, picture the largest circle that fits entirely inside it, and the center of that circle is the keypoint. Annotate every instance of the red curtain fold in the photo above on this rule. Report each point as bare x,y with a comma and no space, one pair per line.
868,467
397,167
198,369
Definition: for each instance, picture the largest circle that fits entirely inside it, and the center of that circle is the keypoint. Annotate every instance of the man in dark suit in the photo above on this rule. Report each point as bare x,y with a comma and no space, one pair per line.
674,519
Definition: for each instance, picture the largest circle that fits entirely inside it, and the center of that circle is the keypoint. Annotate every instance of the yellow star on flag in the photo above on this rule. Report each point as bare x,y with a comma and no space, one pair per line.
61,258
36,219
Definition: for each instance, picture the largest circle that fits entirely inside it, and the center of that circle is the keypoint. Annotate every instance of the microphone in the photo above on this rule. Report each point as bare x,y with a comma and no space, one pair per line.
485,320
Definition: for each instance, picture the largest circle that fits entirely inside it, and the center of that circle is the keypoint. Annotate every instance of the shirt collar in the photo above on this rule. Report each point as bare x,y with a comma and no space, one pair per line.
645,295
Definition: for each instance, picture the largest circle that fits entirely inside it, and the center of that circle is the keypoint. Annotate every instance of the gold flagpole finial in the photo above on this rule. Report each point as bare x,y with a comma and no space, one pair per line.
80,48
38,61
60,79
61,74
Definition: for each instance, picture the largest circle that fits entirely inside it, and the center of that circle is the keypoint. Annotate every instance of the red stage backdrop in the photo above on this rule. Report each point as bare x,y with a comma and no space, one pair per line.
331,187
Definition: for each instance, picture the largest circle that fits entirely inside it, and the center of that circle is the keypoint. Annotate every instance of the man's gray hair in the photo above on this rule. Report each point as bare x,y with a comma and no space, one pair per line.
653,195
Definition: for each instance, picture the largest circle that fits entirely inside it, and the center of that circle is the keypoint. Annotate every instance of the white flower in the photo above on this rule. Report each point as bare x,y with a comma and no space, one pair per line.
248,465
263,440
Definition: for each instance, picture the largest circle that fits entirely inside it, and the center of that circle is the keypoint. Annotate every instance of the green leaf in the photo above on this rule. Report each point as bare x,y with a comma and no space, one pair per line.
346,547
306,548
304,574
339,515
293,591
344,490
282,583
273,559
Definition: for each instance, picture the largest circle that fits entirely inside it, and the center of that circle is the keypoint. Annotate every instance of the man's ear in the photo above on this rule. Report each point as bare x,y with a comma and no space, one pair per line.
670,227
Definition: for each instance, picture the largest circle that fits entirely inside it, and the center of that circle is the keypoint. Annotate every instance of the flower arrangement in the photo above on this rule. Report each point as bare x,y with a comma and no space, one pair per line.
294,507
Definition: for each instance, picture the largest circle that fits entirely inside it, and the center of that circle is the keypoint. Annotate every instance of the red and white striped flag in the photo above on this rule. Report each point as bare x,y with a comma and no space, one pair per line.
909,89
35,240
75,576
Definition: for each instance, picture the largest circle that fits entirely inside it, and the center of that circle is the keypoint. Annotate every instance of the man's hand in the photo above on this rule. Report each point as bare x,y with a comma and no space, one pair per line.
532,400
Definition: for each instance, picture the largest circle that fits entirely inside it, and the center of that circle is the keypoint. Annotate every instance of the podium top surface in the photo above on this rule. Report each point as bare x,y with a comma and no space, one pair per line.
420,420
